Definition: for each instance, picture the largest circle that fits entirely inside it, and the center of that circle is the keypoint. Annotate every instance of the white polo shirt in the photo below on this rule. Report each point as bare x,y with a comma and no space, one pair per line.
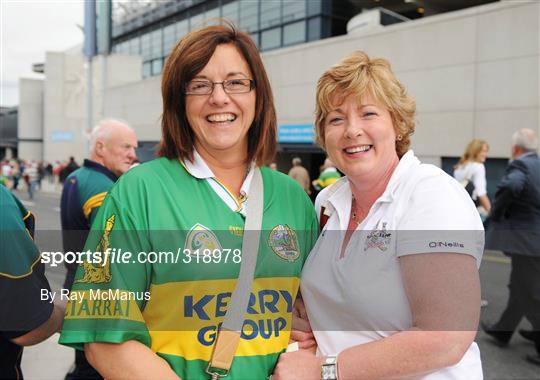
360,298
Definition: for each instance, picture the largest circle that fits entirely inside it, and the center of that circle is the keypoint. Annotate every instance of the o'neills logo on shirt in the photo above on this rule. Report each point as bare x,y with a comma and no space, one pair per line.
446,244
201,239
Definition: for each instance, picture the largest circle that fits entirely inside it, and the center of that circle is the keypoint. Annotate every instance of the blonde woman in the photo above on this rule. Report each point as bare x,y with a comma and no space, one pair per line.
471,168
391,288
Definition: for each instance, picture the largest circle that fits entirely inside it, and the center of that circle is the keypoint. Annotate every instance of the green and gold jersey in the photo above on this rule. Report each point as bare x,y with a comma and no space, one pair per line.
172,291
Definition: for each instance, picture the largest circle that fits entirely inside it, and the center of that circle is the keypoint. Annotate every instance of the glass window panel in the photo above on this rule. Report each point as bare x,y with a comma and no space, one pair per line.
270,13
157,47
197,21
314,29
157,65
169,38
255,38
182,28
212,17
145,46
294,10
271,39
249,20
230,12
146,69
123,48
313,7
135,46
294,33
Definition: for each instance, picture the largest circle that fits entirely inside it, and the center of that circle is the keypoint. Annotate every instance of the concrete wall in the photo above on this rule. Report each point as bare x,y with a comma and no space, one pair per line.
138,103
474,74
30,119
65,92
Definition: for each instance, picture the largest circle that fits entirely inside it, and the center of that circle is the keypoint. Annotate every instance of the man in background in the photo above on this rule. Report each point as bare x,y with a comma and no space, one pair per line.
514,228
300,174
112,152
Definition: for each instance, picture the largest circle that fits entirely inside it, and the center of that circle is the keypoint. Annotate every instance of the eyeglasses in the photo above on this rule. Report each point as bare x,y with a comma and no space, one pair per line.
232,86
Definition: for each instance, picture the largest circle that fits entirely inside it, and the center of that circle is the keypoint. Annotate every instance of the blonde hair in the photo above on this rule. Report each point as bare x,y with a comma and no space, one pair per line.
358,74
471,151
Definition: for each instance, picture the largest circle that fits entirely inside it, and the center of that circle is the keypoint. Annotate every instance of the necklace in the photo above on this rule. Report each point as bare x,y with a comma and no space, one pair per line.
354,216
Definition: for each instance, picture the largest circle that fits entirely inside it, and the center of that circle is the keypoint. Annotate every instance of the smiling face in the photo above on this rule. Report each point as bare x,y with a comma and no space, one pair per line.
360,138
219,120
482,154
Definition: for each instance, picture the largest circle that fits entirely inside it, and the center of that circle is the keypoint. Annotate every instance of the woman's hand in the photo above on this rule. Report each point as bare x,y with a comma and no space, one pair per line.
299,365
301,329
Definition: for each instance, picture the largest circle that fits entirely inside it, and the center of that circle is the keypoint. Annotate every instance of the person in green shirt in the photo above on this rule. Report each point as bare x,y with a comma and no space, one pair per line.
181,219
27,315
329,175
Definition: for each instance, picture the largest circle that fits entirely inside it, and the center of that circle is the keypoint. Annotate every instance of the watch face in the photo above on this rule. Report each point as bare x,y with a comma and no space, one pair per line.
329,372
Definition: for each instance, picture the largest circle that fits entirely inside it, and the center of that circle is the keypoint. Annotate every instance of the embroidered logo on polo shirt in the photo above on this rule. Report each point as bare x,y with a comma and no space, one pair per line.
284,243
378,239
201,239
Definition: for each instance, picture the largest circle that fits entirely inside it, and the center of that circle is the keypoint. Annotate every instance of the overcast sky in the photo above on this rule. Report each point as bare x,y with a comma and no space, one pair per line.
28,30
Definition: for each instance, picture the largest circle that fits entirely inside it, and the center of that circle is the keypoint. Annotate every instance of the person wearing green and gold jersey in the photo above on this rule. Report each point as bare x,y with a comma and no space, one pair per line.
176,224
26,317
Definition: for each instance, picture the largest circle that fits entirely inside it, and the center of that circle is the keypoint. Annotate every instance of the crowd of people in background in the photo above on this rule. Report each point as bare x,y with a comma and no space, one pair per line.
20,174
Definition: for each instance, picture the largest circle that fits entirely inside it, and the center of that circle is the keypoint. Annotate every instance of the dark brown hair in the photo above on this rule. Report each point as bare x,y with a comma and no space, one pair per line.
187,59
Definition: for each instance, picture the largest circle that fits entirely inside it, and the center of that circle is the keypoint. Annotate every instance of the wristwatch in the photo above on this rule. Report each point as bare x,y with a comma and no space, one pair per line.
329,369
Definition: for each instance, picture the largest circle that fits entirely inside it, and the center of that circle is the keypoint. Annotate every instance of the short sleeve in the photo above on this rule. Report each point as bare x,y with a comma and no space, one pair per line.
440,217
107,299
479,180
26,302
23,285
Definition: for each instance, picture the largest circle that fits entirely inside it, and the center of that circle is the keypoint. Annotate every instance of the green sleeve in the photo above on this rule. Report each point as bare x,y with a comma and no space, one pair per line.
107,299
18,253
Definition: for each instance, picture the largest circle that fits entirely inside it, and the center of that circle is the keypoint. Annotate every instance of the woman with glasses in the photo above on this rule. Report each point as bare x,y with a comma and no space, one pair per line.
218,128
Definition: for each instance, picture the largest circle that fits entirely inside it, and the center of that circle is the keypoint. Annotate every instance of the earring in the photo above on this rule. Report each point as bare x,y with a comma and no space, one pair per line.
399,137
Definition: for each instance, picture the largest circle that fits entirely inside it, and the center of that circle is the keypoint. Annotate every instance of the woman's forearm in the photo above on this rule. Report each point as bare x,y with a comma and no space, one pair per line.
484,202
127,360
405,353
48,328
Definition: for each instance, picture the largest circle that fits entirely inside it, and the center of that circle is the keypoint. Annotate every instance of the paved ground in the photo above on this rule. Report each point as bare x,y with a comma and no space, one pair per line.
51,361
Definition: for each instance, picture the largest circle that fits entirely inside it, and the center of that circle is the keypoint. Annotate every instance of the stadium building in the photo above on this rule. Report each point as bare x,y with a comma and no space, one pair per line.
472,65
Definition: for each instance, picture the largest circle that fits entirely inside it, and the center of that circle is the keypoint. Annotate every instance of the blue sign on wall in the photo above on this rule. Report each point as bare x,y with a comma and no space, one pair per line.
296,133
62,136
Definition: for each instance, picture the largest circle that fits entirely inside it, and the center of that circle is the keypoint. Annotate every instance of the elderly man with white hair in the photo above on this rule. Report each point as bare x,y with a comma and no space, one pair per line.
514,228
112,152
